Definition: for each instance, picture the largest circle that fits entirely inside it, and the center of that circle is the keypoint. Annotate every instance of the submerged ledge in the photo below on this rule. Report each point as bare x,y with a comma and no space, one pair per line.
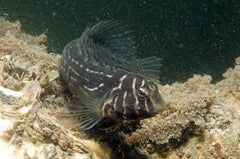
201,119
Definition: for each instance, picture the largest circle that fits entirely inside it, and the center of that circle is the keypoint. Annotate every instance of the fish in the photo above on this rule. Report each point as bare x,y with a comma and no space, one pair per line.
102,70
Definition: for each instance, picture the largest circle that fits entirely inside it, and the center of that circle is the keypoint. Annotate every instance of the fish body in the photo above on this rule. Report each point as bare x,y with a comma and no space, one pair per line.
101,70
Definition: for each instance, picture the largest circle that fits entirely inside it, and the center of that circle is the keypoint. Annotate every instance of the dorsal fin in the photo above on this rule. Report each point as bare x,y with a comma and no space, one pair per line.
109,42
146,67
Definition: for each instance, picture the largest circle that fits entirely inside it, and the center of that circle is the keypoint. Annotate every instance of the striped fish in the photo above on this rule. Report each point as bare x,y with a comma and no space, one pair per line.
100,68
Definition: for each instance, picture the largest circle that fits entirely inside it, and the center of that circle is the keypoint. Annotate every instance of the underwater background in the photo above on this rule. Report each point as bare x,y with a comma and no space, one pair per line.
192,36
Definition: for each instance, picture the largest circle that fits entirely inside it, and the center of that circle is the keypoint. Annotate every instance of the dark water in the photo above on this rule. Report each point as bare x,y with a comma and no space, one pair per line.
192,36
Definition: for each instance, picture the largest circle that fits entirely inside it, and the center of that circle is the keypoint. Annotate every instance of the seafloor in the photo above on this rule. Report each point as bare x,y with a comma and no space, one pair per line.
202,120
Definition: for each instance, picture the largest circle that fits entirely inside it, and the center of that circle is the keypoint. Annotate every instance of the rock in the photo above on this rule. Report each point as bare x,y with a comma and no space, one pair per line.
201,119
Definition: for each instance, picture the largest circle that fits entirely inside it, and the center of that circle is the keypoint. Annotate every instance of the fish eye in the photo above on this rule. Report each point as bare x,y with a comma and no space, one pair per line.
142,94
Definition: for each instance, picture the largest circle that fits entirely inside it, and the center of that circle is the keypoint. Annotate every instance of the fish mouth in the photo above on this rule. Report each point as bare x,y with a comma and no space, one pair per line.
145,115
140,115
155,112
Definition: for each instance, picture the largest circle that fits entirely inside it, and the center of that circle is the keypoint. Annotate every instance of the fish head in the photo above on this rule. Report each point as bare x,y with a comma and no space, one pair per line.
133,98
150,99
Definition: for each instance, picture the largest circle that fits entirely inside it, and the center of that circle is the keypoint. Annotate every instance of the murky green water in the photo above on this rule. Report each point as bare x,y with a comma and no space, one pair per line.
192,36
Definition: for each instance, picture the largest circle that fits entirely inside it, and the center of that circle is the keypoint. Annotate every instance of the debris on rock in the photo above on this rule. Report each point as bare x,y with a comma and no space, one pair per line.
28,87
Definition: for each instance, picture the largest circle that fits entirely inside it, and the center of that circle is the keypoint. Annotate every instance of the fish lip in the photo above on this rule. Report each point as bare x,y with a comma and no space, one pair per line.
152,114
